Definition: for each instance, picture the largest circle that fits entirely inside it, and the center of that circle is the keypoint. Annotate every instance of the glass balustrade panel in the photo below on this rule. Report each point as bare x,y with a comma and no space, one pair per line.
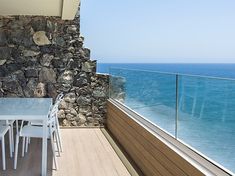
150,94
206,117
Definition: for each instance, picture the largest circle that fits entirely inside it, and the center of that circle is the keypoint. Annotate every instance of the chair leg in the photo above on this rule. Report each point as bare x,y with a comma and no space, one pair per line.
16,151
54,156
27,144
17,127
12,137
59,135
10,142
57,142
23,145
3,154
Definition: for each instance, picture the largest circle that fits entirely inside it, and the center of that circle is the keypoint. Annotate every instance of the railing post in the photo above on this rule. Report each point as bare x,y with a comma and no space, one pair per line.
176,104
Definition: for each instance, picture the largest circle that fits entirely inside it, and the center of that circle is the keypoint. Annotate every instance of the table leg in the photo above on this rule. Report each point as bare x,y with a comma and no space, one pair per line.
44,149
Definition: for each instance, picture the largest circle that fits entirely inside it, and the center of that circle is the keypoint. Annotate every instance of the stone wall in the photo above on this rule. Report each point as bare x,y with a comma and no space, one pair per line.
43,56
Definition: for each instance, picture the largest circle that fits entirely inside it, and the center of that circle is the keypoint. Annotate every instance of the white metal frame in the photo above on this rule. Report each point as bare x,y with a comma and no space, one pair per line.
32,132
9,123
5,129
57,126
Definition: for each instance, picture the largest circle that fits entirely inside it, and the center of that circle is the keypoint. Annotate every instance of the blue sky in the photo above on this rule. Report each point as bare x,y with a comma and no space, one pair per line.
161,31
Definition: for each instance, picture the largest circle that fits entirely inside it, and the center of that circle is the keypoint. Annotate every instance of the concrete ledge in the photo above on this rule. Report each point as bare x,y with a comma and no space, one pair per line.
66,9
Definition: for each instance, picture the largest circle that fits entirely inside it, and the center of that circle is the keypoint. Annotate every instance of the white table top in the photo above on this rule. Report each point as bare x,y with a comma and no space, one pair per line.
24,108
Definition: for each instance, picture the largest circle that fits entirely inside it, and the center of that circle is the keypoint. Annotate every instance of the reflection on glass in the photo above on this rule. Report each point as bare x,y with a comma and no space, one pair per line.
205,106
207,117
150,94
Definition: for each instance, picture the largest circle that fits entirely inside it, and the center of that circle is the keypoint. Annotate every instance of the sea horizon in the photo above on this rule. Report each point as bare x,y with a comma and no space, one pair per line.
221,70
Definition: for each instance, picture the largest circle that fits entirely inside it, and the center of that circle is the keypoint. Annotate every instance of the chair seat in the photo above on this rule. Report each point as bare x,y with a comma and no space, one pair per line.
3,130
36,122
33,131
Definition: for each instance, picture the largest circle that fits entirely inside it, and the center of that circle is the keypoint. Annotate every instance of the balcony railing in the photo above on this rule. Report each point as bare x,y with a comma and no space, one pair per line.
196,110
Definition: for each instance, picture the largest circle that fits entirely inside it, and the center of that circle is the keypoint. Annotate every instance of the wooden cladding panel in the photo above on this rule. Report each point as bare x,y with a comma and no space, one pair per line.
150,154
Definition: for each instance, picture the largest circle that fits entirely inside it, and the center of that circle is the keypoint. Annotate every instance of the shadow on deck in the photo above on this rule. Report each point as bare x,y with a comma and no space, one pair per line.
86,152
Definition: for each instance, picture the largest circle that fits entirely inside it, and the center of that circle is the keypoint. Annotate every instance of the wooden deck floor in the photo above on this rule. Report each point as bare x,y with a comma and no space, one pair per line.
86,153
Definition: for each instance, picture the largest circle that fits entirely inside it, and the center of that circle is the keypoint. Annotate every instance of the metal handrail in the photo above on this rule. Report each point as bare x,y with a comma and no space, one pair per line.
175,73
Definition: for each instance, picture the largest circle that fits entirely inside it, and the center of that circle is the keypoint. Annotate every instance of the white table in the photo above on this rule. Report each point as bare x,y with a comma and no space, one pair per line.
28,109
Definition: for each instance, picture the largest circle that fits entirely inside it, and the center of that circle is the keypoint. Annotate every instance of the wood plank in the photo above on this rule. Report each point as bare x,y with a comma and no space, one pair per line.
92,160
170,154
156,155
86,152
67,155
103,159
73,160
141,160
28,165
130,165
152,139
116,162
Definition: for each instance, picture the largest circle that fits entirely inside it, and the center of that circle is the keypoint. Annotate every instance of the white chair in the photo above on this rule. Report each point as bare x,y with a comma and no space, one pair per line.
3,130
31,131
59,97
57,102
57,126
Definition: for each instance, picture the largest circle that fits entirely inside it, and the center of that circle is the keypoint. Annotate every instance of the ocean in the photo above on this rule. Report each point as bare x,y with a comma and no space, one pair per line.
206,105
218,70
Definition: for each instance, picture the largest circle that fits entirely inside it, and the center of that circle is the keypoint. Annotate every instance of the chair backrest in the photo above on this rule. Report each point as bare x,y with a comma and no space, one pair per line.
59,97
53,116
57,101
